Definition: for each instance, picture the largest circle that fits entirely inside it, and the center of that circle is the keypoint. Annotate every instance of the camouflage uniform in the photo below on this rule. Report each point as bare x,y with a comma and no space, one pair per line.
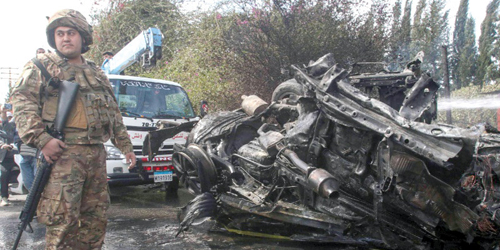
74,202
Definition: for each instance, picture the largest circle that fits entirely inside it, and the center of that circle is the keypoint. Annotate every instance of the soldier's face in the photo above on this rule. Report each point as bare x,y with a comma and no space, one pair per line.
68,41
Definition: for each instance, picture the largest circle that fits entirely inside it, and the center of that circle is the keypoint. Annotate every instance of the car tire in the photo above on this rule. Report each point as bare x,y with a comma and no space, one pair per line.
290,89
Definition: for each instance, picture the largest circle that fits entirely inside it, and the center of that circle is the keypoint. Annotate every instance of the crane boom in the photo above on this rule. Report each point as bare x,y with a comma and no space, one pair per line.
146,47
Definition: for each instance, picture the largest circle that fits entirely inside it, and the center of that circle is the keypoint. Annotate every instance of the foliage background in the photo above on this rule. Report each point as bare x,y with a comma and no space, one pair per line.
238,47
243,46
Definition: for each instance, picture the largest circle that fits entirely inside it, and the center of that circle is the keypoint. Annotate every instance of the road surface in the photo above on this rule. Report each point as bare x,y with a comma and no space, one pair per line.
143,218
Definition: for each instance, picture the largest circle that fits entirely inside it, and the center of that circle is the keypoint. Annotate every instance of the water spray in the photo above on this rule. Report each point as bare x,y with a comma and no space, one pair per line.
483,103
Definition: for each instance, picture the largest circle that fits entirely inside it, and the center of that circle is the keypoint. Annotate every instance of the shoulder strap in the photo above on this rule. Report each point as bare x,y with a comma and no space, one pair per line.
51,80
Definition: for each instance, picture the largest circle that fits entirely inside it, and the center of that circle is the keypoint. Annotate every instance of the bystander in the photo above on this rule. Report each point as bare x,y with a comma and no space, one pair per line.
107,55
7,149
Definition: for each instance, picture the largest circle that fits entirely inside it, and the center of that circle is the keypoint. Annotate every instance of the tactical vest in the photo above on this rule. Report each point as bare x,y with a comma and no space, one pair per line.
94,113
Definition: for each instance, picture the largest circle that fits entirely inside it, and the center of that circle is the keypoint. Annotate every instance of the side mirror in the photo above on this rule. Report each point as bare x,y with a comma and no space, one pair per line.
203,108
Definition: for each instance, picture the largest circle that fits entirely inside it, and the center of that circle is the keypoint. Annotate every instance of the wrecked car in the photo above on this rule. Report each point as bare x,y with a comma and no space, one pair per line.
329,161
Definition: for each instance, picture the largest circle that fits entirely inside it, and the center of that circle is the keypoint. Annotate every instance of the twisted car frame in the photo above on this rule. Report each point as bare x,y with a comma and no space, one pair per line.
345,158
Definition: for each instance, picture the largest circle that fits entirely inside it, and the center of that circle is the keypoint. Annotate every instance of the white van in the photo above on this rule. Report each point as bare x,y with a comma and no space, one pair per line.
143,103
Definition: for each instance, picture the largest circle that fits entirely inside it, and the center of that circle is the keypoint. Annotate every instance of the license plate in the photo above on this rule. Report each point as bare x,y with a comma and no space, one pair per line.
163,176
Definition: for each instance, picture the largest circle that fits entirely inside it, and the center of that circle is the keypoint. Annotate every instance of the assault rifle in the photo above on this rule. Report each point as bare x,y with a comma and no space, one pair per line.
67,94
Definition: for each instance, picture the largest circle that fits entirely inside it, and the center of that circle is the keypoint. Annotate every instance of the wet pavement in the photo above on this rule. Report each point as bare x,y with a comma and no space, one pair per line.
144,218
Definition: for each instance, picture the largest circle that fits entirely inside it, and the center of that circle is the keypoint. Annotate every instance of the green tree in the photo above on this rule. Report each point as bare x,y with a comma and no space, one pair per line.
418,29
204,65
123,20
372,35
489,32
270,36
405,34
430,32
495,53
467,62
395,34
459,41
400,35
242,46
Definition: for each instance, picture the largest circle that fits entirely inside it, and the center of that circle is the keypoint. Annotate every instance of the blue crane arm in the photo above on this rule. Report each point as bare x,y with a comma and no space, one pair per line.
146,47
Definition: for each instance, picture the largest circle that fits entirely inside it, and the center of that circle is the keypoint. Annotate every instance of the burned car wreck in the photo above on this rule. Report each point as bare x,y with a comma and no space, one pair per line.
328,162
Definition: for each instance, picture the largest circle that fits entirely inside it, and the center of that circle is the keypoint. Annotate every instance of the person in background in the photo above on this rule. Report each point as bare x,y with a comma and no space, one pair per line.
28,155
7,150
107,55
28,164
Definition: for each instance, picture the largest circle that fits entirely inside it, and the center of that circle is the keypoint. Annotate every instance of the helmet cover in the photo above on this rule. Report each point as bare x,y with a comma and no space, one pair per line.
73,19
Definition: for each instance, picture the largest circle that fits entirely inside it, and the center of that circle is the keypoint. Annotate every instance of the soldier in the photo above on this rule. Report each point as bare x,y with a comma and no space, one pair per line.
74,202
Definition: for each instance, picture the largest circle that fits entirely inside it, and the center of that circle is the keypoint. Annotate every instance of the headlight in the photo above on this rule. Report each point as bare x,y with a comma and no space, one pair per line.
113,153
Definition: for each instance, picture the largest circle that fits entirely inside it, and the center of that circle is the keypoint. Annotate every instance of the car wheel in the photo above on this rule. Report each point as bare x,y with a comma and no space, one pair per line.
290,90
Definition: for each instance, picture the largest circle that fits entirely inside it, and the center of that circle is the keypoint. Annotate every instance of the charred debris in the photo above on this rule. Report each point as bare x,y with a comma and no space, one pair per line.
349,158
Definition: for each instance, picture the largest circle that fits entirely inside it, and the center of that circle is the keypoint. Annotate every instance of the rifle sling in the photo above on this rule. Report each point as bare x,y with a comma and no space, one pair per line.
45,73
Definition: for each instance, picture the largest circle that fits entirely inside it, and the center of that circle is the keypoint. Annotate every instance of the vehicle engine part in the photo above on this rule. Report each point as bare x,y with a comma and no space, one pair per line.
334,164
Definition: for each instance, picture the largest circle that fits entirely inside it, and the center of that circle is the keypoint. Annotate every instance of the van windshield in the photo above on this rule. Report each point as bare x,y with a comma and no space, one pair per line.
151,99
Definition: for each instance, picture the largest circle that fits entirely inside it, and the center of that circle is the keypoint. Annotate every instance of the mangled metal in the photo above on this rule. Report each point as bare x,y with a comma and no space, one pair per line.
337,165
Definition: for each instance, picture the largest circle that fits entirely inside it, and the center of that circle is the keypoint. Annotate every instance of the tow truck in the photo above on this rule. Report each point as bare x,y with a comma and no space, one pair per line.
145,105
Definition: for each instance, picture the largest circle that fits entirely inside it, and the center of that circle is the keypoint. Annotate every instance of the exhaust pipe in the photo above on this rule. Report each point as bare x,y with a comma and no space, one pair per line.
318,179
253,105
323,183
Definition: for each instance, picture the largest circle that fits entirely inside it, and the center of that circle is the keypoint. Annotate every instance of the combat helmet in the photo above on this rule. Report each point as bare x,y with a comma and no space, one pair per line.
73,19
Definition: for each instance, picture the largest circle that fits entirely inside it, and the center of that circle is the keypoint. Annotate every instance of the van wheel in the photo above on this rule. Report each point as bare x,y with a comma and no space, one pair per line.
290,90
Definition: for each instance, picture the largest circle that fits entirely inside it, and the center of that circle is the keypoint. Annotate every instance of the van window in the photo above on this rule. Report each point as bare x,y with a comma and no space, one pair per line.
152,100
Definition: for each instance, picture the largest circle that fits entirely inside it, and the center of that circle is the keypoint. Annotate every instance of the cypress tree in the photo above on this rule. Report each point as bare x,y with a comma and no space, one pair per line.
396,16
406,32
418,29
459,41
395,36
437,21
429,33
494,71
488,37
467,62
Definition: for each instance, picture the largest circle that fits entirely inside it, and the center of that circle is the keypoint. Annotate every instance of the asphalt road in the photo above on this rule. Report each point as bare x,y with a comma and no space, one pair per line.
144,218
